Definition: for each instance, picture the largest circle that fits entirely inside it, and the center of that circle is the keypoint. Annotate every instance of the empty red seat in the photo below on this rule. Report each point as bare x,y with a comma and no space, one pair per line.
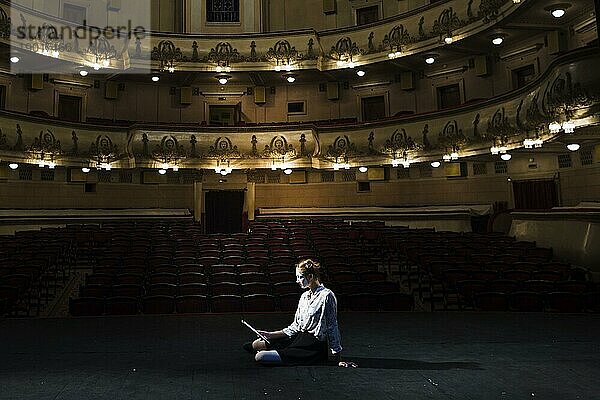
226,304
491,301
121,306
526,301
565,302
396,302
259,303
362,302
191,304
192,289
86,306
158,304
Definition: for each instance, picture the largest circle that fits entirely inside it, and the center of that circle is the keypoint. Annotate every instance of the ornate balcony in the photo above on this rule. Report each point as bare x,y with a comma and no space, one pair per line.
567,94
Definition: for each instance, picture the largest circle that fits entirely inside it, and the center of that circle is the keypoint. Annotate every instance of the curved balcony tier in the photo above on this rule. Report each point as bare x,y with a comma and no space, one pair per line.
418,31
566,95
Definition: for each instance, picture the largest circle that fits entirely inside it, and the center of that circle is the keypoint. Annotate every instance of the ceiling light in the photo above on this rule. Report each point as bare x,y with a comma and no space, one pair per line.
85,170
223,80
363,169
13,165
554,127
287,171
436,164
573,146
14,59
497,40
430,60
558,12
155,78
291,79
83,72
506,156
568,126
360,72
448,40
162,171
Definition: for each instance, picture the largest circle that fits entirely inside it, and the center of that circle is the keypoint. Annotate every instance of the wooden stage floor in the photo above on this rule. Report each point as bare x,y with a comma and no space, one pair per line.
400,356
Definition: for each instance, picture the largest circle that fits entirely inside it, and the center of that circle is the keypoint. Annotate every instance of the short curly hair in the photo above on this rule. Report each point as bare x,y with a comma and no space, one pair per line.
310,266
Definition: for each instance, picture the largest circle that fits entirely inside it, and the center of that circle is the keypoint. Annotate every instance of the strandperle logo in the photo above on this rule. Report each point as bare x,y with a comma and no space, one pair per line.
81,32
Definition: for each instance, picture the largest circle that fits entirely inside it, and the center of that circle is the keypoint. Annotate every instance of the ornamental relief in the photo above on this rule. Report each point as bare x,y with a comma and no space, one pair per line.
195,147
279,148
169,150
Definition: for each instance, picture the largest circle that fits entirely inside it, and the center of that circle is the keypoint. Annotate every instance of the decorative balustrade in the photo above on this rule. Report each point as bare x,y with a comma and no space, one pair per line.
418,31
568,93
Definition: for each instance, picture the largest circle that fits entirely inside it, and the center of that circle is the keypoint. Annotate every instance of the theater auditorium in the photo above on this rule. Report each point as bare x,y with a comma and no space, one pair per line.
165,165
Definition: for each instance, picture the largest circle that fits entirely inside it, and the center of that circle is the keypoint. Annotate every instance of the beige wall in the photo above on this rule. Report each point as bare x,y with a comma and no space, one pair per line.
575,185
49,195
385,194
291,14
580,185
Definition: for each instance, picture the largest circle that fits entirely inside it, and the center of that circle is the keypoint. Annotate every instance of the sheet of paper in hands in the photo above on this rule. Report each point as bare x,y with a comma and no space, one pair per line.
255,331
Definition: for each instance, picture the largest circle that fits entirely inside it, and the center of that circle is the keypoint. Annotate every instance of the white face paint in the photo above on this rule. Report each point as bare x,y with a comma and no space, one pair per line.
301,280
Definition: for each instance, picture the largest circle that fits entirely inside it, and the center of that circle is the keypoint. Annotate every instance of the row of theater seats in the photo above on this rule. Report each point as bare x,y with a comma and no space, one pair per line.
174,277
174,264
34,265
531,301
163,304
193,286
465,271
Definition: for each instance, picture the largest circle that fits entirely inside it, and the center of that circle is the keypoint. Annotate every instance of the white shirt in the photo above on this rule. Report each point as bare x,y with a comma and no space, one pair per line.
317,314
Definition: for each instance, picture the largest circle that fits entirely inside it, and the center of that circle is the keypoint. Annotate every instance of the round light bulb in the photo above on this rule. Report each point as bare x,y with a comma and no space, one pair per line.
13,165
287,171
223,81
558,12
363,169
506,156
497,40
291,79
448,40
360,72
436,164
155,78
15,59
83,72
85,170
430,60
573,146
162,171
